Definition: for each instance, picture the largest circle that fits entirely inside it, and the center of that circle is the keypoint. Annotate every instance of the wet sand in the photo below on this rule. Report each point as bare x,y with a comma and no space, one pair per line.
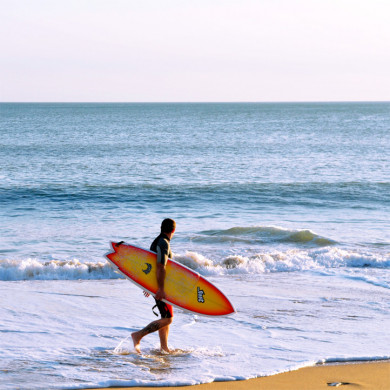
349,376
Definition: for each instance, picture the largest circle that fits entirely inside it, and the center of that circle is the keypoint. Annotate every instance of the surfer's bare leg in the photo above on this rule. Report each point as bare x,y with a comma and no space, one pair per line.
163,333
152,327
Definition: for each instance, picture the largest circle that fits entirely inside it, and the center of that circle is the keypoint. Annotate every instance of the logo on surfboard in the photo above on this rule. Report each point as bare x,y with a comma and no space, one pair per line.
200,295
148,268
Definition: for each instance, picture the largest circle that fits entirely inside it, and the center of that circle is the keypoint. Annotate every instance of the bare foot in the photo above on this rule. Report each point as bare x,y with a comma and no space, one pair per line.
136,341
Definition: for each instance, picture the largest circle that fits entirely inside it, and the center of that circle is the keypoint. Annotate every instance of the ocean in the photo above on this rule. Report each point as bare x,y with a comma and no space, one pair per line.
284,206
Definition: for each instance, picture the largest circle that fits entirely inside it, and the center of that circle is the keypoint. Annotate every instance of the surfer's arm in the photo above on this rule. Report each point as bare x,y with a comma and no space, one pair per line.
160,274
162,258
162,253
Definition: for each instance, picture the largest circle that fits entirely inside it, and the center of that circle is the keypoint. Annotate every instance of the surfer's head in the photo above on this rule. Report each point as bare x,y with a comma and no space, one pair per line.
168,226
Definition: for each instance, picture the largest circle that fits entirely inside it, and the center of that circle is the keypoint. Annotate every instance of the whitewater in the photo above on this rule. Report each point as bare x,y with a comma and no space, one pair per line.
285,207
216,262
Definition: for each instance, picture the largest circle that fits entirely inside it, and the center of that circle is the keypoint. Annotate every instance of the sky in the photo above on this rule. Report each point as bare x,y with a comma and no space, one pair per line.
194,50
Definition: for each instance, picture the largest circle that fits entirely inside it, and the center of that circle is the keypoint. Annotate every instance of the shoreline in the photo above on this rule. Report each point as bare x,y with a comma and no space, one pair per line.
370,375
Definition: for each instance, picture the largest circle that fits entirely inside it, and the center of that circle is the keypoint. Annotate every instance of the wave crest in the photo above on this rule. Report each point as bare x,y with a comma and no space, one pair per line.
263,235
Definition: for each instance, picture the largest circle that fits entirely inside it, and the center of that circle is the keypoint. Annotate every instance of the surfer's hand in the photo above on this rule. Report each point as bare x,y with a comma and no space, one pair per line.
146,294
160,294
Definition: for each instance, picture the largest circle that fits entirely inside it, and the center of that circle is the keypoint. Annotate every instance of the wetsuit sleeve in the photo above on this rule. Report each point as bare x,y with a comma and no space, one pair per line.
162,252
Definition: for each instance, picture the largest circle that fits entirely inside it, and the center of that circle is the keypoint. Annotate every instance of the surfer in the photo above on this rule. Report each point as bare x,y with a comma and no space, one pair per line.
160,245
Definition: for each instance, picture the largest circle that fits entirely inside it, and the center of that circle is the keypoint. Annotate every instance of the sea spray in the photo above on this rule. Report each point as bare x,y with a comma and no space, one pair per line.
123,349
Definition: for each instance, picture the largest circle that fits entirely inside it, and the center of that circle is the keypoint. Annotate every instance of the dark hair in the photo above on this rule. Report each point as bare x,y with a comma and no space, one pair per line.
168,225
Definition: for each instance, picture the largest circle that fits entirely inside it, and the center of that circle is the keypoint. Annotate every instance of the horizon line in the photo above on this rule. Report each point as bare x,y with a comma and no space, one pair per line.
196,102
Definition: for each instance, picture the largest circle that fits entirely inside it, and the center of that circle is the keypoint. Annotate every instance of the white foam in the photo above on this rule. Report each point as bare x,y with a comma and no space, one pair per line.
293,260
284,321
285,261
33,269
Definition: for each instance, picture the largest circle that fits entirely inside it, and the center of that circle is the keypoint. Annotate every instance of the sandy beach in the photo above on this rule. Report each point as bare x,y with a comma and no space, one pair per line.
367,376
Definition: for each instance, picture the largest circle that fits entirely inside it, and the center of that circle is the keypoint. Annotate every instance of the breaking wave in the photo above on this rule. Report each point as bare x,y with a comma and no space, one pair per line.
293,260
33,269
284,261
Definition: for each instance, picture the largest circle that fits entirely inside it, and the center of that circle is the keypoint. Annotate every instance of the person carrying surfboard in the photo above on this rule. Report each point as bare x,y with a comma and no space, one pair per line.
160,245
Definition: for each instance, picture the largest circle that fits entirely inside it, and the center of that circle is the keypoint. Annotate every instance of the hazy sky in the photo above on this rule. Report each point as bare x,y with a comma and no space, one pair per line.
194,50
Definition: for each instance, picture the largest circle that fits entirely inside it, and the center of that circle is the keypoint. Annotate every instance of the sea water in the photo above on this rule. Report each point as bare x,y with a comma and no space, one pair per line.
285,207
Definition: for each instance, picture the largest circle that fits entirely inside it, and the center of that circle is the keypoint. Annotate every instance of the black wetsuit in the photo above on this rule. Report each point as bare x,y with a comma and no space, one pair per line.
161,246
